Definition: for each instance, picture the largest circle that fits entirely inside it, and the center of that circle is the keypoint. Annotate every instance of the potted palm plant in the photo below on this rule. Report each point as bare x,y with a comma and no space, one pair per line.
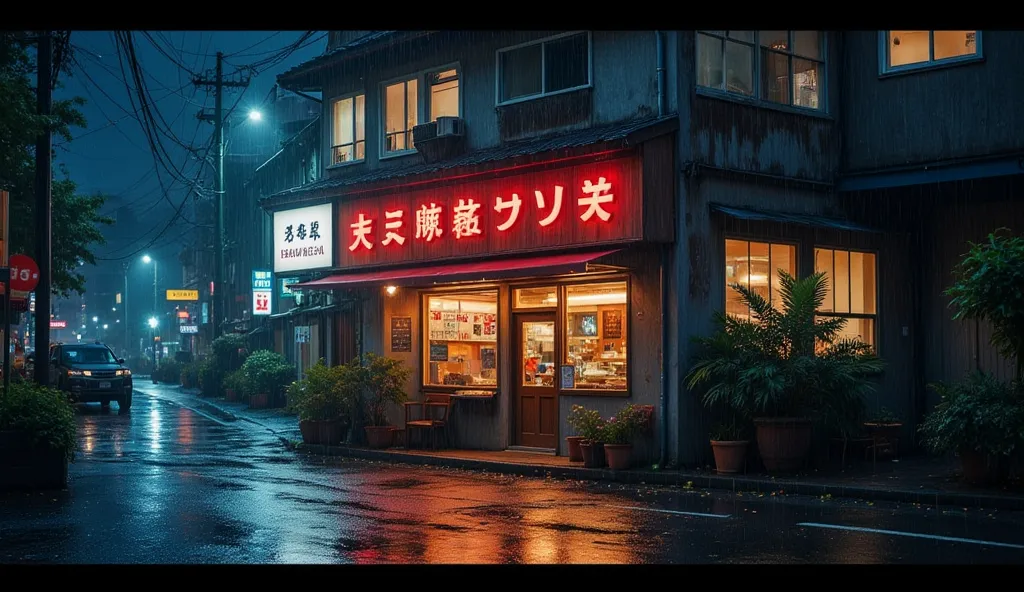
619,432
383,386
785,367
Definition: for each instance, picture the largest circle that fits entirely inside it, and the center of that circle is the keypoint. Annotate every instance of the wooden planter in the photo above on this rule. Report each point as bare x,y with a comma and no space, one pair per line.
783,442
24,466
730,456
618,456
593,454
575,453
379,436
259,401
329,432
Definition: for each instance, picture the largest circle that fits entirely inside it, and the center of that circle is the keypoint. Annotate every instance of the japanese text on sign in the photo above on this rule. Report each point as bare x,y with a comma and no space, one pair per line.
303,239
430,223
589,204
262,280
261,302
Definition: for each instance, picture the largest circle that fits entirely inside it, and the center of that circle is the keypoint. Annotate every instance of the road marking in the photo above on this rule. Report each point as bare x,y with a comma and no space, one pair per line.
675,512
915,535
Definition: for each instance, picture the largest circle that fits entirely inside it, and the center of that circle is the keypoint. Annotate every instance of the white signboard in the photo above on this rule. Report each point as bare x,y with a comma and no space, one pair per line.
302,334
304,238
261,302
188,329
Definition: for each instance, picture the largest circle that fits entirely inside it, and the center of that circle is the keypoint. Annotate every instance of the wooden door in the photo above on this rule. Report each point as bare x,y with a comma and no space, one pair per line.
535,378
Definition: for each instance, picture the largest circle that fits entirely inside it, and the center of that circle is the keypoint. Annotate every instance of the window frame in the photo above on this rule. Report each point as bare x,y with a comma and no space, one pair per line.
795,244
885,70
424,340
755,99
855,315
542,42
330,131
422,104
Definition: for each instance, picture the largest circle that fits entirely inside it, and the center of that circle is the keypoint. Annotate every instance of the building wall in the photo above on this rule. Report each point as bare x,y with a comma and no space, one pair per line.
960,111
624,77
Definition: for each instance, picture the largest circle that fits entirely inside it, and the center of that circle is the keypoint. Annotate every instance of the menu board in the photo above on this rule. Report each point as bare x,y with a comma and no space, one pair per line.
488,359
611,324
401,334
462,326
438,351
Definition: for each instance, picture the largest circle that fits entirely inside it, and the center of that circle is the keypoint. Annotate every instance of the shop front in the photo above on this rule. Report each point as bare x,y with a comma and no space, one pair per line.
517,293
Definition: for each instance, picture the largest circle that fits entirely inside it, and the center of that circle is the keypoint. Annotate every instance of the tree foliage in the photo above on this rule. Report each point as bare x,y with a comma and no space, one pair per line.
76,218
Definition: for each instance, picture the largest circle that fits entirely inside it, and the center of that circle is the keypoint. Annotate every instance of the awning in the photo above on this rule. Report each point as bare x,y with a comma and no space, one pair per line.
459,272
788,218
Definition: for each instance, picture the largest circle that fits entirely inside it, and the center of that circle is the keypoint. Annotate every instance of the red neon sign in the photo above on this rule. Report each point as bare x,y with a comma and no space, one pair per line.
588,204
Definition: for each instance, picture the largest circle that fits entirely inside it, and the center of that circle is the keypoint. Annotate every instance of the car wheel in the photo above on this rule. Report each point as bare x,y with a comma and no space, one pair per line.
125,403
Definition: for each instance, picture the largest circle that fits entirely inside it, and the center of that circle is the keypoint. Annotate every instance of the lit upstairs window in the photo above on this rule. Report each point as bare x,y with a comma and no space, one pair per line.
913,50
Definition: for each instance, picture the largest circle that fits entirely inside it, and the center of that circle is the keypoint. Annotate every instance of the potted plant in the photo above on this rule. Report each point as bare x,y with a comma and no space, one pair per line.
211,377
266,373
729,446
981,419
786,368
884,427
37,437
323,401
578,417
589,424
619,432
234,386
383,386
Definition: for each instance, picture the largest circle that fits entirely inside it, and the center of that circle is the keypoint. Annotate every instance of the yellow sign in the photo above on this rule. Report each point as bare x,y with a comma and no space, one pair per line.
189,295
118,298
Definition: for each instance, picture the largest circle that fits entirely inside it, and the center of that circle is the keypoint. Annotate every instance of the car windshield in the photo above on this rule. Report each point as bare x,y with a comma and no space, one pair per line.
88,355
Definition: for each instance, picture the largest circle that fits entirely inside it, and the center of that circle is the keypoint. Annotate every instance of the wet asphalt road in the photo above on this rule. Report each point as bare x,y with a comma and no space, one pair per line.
167,484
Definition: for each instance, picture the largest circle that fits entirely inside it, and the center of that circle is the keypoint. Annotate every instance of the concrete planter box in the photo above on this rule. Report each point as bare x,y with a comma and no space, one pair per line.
24,466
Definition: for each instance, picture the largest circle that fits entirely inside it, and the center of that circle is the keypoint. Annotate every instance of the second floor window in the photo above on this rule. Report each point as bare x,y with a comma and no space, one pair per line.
781,67
444,93
545,67
401,114
348,139
909,50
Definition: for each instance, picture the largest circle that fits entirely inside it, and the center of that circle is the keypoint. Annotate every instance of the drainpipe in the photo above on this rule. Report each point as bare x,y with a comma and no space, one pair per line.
663,457
660,36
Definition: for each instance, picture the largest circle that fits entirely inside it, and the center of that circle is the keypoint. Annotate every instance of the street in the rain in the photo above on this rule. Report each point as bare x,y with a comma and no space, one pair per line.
169,484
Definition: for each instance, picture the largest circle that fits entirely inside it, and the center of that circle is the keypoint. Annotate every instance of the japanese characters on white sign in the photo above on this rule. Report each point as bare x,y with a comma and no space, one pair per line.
303,239
261,302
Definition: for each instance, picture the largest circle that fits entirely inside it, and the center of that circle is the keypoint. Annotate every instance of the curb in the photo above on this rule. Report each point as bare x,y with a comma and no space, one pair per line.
680,478
205,403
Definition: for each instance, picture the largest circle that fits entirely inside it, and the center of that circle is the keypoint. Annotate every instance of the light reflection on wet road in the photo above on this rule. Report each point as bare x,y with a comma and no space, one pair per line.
166,484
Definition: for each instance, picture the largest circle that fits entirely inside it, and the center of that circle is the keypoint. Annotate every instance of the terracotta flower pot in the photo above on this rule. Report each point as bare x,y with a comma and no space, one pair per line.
259,401
618,456
379,436
783,442
593,454
981,469
329,432
730,456
575,453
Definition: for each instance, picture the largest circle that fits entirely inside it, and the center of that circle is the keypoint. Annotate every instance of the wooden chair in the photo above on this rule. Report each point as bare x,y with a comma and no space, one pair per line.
433,417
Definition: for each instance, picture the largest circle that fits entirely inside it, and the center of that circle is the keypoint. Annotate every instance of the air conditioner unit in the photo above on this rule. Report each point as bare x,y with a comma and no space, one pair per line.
424,132
450,126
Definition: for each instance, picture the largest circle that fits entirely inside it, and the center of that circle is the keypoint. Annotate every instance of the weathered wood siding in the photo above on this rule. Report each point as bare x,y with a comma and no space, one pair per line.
959,111
624,67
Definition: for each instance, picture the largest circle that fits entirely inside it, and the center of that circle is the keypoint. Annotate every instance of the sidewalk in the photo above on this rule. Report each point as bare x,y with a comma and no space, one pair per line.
917,480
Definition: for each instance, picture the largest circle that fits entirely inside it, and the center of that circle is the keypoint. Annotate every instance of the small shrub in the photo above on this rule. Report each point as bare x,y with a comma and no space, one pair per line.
236,382
624,426
210,377
43,414
384,381
229,352
587,423
980,414
324,394
267,372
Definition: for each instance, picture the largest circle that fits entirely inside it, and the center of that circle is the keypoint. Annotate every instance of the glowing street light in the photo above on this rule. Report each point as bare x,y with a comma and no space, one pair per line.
105,326
95,319
255,115
147,259
153,322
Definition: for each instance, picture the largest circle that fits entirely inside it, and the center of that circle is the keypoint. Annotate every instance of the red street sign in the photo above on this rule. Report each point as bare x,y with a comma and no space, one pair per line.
24,273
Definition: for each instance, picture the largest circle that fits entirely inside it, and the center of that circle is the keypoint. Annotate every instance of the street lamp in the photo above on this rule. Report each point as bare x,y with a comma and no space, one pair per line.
153,322
95,319
127,326
255,115
105,326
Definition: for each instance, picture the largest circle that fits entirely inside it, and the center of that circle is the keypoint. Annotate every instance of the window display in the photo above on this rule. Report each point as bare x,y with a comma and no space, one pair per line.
756,266
596,328
462,338
851,291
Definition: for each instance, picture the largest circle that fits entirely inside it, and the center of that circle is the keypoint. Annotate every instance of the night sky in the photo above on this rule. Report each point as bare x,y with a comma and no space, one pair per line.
112,155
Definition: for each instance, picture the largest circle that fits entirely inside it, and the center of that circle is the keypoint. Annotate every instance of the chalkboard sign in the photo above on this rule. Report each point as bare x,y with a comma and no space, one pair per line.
612,324
487,358
401,334
438,351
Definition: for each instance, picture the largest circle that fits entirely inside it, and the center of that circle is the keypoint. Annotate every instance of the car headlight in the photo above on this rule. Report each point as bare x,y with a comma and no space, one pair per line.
119,373
87,373
74,372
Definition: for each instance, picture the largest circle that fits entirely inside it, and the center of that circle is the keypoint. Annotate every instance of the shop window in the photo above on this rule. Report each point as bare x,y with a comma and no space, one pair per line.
781,67
535,297
911,50
852,289
755,265
461,348
596,334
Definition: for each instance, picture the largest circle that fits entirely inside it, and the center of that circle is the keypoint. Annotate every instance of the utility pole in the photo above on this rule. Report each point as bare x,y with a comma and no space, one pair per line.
218,84
44,101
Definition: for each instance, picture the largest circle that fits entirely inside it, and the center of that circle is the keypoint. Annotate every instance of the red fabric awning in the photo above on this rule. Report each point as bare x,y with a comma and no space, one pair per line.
459,272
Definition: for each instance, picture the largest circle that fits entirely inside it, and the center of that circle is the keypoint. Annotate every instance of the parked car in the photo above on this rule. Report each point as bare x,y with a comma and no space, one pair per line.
91,373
